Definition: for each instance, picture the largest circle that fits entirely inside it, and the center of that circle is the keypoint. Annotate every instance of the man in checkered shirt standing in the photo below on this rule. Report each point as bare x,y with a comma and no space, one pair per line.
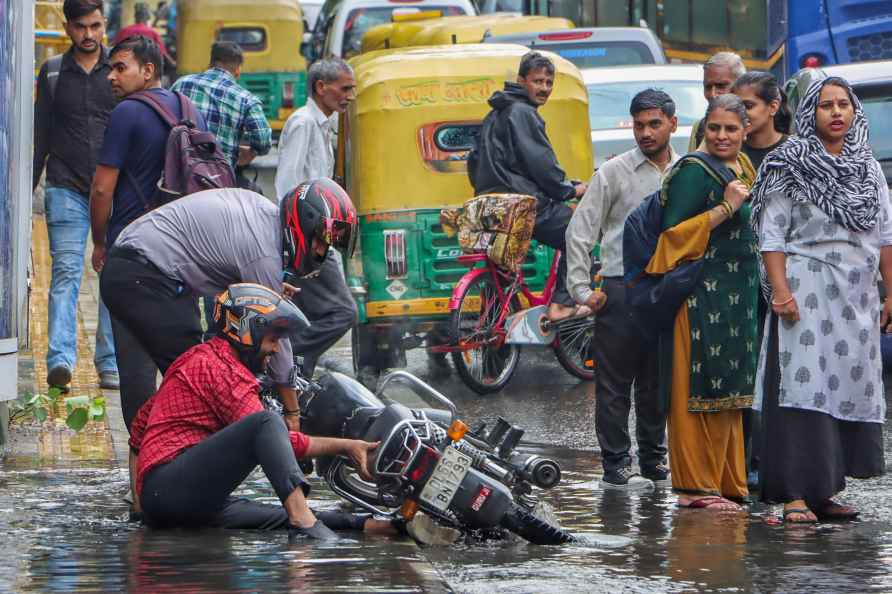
233,114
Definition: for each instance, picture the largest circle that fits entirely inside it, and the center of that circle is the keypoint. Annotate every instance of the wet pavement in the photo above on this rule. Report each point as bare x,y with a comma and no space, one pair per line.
63,524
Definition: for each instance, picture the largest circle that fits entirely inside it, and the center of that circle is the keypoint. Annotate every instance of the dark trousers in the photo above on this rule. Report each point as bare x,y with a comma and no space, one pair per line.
328,304
625,353
552,219
195,488
158,314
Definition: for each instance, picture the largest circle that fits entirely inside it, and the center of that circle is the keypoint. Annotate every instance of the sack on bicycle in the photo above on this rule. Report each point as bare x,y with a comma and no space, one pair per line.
499,224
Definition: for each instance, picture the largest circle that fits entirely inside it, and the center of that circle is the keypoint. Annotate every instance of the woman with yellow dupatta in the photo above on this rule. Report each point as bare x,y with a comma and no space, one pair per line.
712,346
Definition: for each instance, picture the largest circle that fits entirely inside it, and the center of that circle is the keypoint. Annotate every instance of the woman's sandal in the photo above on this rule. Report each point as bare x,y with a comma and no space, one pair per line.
708,502
830,510
798,510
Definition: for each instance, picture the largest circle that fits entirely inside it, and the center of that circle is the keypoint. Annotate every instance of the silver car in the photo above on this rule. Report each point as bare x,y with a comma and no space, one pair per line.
610,92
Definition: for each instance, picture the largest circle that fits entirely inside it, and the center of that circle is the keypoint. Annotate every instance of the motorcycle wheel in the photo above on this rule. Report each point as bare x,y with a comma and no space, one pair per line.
486,369
530,528
572,347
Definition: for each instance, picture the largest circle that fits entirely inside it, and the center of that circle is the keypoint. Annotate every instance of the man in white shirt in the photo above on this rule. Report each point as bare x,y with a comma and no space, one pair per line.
306,153
625,352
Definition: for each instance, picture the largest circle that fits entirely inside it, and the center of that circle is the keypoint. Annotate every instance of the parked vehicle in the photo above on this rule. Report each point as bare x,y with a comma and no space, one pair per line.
429,460
269,33
342,23
778,35
403,153
610,92
594,48
310,10
872,82
407,31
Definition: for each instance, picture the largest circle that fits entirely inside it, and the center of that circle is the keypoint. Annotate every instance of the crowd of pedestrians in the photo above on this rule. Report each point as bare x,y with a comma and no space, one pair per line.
776,345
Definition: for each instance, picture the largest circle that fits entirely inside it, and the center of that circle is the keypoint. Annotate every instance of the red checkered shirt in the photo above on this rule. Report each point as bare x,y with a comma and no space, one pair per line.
206,389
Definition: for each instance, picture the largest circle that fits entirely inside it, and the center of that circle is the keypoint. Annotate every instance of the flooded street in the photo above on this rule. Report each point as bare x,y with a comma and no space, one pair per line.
64,529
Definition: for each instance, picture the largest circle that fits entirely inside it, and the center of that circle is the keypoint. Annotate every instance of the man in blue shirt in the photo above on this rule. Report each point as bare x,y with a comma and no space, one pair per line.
130,163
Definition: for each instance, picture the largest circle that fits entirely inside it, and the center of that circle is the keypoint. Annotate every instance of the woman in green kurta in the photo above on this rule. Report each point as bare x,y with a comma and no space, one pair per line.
713,348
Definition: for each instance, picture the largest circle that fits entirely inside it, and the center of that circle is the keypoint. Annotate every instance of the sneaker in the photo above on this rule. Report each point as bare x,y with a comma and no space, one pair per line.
625,479
109,380
59,377
317,531
659,474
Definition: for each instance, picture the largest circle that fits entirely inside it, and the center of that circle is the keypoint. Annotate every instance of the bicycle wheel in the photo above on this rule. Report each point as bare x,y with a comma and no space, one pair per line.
572,347
488,367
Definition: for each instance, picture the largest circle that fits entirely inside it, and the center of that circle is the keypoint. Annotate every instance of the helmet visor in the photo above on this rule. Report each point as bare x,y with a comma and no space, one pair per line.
338,234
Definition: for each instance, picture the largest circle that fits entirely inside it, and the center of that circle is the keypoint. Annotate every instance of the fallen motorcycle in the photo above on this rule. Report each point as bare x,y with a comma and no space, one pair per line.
429,460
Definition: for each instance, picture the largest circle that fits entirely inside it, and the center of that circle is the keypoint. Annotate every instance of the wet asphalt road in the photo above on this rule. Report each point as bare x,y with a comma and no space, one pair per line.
64,529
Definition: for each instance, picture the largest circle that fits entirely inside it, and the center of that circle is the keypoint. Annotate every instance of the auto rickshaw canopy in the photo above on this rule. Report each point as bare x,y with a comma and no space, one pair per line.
416,112
273,30
412,32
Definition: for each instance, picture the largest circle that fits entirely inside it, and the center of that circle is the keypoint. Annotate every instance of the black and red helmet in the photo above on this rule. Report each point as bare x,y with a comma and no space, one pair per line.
318,209
245,313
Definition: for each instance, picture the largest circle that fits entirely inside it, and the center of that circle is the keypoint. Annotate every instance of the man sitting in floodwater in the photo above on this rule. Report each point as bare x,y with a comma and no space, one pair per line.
205,431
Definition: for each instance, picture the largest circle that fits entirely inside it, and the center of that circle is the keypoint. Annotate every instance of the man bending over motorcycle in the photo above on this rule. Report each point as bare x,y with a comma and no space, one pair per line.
513,155
205,431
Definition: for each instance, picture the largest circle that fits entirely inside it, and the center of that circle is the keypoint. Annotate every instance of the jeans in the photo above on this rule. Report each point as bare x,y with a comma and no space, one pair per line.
68,222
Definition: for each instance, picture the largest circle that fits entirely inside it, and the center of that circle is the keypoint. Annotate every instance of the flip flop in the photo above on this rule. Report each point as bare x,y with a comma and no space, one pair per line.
706,502
798,510
581,311
830,510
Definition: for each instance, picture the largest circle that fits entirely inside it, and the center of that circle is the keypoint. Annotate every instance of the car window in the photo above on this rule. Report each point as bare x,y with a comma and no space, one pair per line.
250,39
609,103
361,20
877,102
596,55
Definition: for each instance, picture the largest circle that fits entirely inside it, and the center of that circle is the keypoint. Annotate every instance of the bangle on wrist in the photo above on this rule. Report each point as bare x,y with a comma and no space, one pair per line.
776,304
290,413
729,207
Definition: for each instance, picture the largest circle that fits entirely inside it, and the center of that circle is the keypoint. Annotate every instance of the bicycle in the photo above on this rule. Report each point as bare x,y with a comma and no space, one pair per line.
481,302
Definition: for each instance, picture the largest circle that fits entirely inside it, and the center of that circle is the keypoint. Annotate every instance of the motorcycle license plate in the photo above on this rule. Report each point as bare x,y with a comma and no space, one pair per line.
445,480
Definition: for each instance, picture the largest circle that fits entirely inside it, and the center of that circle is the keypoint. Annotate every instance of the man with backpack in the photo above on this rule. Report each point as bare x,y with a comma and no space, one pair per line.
133,156
625,352
74,100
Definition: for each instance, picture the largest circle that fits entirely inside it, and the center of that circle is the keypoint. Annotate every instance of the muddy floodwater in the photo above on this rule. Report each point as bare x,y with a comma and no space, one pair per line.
64,529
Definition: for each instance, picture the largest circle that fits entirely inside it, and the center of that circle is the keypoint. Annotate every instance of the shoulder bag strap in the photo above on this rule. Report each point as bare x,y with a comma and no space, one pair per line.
146,98
53,68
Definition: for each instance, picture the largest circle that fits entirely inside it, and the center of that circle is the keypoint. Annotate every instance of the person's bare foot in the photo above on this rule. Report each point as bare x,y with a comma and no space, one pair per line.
797,512
708,502
558,312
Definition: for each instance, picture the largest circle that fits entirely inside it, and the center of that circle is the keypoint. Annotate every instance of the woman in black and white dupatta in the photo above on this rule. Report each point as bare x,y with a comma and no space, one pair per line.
822,215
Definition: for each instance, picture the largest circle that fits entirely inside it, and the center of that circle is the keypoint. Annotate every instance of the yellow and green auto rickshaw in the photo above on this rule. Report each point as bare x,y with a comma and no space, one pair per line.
403,152
269,33
50,38
418,31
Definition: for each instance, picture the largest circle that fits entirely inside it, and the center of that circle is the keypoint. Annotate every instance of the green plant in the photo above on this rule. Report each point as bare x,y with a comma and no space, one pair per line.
79,409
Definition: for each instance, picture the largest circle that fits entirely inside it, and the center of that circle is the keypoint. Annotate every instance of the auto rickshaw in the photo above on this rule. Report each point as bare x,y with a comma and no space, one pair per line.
269,33
50,38
403,150
420,31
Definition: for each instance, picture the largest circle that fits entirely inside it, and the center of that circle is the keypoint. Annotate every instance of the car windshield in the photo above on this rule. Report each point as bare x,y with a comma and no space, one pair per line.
597,55
609,103
877,107
361,20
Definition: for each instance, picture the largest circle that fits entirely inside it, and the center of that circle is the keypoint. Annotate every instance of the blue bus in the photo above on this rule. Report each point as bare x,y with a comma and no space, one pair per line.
777,35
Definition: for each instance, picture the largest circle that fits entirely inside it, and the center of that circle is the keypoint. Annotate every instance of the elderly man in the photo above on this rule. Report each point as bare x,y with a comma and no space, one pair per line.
306,153
720,72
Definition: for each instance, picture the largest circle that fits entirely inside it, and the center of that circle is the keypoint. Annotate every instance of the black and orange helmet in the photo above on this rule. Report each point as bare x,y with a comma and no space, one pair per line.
321,209
246,313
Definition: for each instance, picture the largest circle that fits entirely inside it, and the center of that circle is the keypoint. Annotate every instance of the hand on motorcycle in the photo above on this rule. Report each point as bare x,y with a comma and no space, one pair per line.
358,452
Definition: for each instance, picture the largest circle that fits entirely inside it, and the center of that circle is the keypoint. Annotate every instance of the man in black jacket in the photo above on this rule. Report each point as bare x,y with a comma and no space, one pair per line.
513,154
73,103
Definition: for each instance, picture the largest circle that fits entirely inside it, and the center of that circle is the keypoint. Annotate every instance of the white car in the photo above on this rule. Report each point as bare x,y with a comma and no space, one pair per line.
342,23
610,92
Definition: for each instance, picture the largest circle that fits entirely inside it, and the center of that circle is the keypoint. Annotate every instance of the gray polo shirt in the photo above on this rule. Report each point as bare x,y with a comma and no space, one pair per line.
620,185
212,239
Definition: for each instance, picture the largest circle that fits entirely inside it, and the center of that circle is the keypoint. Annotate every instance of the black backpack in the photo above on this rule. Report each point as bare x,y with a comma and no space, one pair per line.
657,297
